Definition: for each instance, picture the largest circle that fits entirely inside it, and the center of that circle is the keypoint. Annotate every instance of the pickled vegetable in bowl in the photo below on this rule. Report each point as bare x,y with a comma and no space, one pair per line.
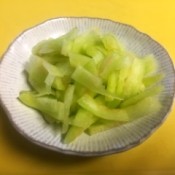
88,82
86,86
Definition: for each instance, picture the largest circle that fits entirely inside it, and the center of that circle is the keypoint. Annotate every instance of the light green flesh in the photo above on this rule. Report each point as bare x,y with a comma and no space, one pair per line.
148,92
101,126
80,122
152,80
146,106
78,59
45,104
88,82
87,79
83,119
91,67
68,100
110,42
134,112
150,65
35,67
72,134
96,55
58,84
102,111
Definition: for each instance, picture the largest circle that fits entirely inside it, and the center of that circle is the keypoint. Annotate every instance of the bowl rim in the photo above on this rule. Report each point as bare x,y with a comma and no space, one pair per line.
85,153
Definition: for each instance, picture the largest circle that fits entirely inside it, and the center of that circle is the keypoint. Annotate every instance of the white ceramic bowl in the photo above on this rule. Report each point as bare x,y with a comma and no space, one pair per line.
32,126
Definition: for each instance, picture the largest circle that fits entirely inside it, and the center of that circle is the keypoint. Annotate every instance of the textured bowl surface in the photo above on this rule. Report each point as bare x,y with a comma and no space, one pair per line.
30,124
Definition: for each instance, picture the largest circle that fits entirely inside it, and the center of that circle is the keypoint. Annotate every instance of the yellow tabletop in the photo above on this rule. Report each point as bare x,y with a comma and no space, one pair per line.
156,156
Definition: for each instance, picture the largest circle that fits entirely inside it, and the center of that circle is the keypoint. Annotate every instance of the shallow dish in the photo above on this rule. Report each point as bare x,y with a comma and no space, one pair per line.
30,123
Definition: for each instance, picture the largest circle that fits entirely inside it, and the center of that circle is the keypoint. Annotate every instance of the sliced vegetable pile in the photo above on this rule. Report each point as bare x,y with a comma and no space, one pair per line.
87,82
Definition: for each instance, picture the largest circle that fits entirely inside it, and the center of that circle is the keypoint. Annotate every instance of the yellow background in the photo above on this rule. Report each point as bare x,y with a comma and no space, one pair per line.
156,156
